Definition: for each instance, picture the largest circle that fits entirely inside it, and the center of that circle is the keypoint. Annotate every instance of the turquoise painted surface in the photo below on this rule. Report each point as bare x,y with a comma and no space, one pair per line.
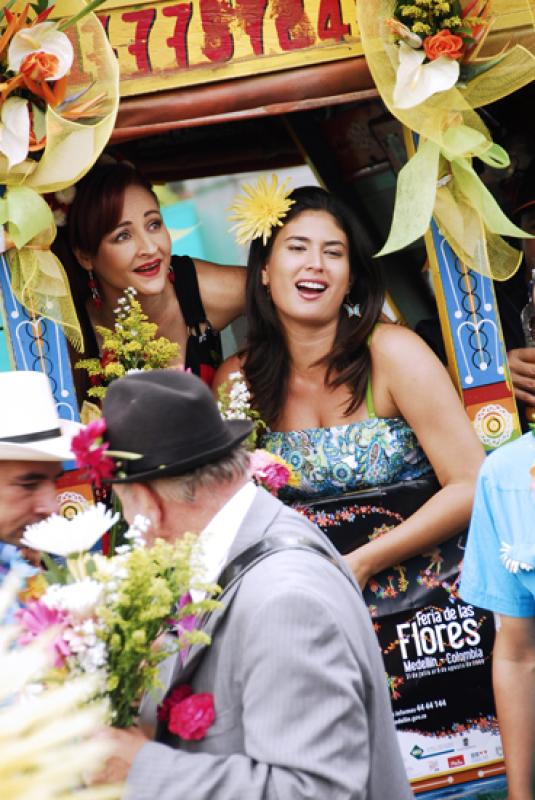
5,363
182,220
46,352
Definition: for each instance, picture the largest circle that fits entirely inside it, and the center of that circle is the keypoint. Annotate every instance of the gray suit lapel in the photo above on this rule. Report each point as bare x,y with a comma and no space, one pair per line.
258,519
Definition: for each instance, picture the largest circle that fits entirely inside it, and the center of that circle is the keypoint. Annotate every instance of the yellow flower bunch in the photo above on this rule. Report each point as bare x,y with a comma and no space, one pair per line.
260,209
426,17
131,345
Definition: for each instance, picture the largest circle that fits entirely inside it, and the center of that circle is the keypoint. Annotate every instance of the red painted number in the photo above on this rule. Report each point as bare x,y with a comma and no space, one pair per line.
218,42
330,23
179,40
292,24
144,20
251,13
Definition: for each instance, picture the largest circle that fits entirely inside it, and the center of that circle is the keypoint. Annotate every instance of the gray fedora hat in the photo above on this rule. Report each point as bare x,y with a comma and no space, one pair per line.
171,420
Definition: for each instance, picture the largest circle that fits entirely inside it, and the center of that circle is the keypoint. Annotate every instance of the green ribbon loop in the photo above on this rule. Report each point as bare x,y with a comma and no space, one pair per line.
417,186
415,198
470,185
25,213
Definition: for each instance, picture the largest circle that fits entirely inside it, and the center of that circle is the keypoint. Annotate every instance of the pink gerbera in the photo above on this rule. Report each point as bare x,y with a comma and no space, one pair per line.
36,618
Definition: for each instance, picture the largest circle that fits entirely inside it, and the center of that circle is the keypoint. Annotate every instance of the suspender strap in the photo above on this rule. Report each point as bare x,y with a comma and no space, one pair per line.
267,547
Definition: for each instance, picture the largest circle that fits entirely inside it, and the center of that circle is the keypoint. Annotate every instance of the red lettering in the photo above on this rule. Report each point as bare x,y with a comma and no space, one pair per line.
215,19
293,26
330,22
179,40
144,19
251,13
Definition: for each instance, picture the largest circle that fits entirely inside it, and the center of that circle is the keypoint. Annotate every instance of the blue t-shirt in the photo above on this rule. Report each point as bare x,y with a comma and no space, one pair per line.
502,532
11,559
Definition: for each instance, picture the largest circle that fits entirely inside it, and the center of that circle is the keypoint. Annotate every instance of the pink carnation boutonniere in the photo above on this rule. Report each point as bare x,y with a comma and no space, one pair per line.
90,453
187,715
272,472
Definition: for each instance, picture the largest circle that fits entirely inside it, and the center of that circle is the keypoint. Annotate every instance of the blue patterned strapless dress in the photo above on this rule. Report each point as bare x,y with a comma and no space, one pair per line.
344,458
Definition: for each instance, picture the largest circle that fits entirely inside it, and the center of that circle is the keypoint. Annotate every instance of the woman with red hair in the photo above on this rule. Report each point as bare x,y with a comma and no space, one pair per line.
119,239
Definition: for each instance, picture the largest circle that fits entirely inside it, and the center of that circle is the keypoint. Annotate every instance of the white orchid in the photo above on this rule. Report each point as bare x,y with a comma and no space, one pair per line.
42,38
15,130
416,81
61,537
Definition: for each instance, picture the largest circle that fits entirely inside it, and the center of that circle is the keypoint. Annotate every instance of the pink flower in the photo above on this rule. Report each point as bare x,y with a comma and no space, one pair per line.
37,618
187,715
90,453
172,699
191,718
268,471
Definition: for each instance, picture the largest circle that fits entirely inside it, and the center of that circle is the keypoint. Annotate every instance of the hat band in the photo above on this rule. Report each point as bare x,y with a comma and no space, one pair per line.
26,438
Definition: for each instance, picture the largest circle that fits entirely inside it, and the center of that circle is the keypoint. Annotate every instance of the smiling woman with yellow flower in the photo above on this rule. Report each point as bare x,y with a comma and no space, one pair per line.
351,403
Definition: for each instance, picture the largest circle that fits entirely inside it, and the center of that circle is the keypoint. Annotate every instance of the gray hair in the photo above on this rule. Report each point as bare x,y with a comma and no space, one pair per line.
183,488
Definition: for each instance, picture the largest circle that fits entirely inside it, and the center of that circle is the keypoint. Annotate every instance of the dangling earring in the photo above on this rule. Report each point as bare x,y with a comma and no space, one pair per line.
351,309
171,274
93,288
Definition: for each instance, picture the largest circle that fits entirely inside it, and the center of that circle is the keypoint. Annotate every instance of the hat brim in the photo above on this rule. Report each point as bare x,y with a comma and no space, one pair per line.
239,430
58,449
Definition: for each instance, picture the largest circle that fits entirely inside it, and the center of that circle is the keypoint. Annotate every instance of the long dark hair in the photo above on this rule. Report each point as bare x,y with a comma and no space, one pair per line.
266,363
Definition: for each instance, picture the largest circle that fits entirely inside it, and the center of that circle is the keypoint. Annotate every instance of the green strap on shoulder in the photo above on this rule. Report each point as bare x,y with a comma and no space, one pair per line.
369,394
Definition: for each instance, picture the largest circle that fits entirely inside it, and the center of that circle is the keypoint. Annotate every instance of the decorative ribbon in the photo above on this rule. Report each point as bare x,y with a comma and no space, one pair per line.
451,134
72,146
466,212
38,279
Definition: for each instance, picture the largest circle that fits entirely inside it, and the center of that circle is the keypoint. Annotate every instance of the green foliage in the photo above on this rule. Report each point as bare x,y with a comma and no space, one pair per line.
145,601
131,345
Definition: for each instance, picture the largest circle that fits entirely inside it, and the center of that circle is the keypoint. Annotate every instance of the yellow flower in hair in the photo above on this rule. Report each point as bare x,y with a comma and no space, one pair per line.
260,209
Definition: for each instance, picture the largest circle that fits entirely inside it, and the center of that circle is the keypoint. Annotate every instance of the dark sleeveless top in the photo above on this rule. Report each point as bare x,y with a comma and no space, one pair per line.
203,348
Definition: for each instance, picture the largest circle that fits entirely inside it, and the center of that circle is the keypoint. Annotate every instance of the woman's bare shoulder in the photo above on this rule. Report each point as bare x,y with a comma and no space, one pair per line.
391,341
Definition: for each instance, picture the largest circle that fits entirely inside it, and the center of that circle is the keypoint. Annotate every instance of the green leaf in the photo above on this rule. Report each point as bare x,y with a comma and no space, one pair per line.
55,573
81,14
471,70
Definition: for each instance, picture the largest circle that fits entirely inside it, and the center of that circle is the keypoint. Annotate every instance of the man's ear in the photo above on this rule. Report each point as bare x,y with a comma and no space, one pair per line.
85,261
140,498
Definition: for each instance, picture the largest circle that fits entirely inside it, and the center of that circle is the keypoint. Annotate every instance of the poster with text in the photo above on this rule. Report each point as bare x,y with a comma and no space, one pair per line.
435,647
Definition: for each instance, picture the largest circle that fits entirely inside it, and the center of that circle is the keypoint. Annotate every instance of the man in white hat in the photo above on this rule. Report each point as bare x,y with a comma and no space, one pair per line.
33,443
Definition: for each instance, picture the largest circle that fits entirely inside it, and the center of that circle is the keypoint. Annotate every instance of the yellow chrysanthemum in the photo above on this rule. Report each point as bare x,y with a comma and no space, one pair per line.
260,209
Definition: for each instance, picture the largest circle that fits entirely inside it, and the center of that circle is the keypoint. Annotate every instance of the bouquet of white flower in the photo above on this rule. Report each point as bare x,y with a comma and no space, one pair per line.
46,737
108,612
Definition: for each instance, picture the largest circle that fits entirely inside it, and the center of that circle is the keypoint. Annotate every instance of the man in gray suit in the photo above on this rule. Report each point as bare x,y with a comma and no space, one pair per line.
294,669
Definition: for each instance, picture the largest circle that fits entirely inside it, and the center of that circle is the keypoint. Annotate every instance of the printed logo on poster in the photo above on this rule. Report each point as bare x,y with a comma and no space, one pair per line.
456,761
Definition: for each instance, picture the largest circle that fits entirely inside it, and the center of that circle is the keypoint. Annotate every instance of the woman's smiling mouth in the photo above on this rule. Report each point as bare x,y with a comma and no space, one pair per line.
150,269
310,290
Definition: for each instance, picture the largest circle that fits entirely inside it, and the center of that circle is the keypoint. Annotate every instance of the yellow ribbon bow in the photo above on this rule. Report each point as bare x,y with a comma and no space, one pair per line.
439,179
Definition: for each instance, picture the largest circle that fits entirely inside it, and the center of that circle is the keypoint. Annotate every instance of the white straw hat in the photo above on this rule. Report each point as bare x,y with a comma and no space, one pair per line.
30,429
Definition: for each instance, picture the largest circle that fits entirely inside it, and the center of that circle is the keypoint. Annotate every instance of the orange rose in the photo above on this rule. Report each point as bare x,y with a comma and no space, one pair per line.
443,43
39,66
